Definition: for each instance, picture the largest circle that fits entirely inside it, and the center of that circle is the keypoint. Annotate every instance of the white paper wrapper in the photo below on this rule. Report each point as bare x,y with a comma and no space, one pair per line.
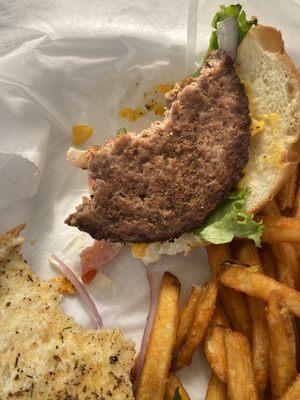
64,63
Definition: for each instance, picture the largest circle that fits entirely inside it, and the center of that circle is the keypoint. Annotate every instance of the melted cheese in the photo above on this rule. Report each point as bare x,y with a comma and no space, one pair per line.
64,285
138,250
132,114
81,133
259,121
164,88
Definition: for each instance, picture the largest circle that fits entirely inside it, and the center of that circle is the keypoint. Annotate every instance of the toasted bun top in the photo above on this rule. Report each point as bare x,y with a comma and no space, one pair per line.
273,85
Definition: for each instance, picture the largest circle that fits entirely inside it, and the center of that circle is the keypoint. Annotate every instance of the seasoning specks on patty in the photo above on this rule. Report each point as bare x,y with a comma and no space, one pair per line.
165,181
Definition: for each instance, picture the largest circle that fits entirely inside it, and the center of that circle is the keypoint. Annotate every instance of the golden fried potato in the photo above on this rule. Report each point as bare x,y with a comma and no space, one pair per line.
187,314
233,302
293,392
217,254
235,306
267,261
286,196
246,253
283,345
214,345
155,371
284,254
240,376
296,208
286,263
216,389
280,229
258,285
203,315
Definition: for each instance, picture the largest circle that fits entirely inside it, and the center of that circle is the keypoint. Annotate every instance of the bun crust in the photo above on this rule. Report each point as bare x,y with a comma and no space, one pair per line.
273,84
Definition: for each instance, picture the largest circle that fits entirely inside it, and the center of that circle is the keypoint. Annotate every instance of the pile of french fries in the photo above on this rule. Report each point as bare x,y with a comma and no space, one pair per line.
246,317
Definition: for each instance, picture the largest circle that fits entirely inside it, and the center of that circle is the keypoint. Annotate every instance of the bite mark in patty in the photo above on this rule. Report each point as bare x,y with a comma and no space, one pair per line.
165,181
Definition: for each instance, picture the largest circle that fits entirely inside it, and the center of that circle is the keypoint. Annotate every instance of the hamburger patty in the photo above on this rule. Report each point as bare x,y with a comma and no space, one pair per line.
165,181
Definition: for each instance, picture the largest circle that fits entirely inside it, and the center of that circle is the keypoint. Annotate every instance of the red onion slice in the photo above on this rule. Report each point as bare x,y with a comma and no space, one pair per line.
153,297
227,34
90,305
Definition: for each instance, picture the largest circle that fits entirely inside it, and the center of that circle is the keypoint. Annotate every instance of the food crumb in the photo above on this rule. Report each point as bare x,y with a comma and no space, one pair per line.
64,285
159,109
154,100
132,114
164,88
121,131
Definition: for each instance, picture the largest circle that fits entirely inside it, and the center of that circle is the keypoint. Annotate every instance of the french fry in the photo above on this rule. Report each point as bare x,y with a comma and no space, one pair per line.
293,392
233,302
271,208
246,253
173,384
155,371
216,389
217,254
286,263
215,352
187,315
283,345
284,254
236,308
240,376
214,345
280,229
204,312
260,343
258,285
297,251
296,213
286,196
220,318
296,209
267,261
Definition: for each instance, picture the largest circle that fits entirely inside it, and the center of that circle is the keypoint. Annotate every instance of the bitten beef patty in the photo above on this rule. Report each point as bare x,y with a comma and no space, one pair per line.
165,181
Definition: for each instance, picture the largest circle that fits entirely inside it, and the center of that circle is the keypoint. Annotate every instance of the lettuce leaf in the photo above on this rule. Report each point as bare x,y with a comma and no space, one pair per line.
121,131
225,12
243,27
230,220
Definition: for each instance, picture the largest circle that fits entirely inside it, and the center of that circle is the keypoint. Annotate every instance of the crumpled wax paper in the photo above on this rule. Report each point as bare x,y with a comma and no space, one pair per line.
64,63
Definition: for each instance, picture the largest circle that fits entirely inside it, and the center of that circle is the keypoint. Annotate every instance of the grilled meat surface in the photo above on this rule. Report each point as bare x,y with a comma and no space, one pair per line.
163,182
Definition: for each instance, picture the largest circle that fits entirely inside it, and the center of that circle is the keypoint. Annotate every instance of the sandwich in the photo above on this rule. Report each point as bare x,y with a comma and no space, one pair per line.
228,141
44,353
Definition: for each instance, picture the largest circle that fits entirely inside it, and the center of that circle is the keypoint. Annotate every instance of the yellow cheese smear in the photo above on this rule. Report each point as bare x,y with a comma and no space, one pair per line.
256,126
159,109
81,133
64,285
164,88
154,101
132,114
259,121
138,250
